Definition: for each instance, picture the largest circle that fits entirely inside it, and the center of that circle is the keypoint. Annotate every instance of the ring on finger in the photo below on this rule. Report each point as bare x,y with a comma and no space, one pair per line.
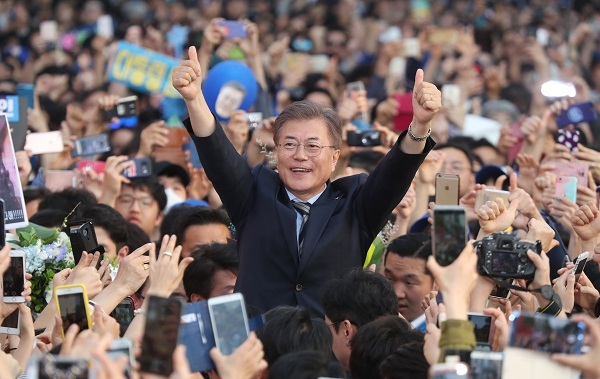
168,253
146,266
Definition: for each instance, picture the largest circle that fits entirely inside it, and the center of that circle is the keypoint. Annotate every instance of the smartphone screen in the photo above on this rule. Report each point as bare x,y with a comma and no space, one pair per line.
229,322
576,113
73,310
482,326
13,280
449,233
2,225
123,313
160,335
11,321
545,333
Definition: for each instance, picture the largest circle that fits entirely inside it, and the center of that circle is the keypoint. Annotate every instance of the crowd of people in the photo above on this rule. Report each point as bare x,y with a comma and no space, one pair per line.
294,152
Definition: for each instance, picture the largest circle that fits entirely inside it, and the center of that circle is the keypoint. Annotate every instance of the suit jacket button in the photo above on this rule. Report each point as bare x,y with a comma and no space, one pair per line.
299,287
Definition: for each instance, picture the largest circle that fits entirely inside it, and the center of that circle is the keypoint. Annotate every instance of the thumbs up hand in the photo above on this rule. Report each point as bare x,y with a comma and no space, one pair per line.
187,76
426,102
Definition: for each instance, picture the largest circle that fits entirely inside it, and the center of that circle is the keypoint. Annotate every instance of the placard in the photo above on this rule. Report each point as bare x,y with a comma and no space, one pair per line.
15,215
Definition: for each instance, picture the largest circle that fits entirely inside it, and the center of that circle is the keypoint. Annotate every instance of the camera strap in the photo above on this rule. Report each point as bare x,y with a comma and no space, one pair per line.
506,285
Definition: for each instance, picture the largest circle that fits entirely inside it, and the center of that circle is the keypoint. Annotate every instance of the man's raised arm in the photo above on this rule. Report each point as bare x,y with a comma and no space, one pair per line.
187,80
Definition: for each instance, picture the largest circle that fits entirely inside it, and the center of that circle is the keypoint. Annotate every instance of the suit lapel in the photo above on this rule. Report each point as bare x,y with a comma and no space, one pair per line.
287,220
320,213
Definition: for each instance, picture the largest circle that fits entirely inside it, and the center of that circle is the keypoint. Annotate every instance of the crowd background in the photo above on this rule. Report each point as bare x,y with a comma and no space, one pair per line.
498,53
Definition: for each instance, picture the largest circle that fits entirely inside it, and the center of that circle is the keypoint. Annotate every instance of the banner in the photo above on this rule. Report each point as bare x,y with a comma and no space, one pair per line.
143,70
15,215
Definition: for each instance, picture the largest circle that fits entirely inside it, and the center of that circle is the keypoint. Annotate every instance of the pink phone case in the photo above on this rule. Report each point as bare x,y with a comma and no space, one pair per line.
576,169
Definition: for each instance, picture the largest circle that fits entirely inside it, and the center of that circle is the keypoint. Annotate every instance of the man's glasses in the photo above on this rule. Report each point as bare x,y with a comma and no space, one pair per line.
311,149
128,200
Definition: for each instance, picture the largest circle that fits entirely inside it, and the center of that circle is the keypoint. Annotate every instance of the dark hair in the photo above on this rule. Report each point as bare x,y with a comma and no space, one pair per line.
323,91
459,146
110,220
375,341
407,362
48,218
366,160
359,297
151,185
31,193
307,110
410,246
198,277
288,329
170,220
68,199
305,365
136,237
519,95
199,216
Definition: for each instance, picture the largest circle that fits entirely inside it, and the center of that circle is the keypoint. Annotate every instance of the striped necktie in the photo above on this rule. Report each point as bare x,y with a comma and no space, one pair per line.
304,210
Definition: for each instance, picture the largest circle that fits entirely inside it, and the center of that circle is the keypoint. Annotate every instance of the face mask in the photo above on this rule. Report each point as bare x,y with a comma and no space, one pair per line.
172,199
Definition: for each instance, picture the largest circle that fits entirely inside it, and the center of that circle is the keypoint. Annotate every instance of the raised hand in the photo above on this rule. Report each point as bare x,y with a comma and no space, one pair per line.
586,221
426,102
187,76
495,217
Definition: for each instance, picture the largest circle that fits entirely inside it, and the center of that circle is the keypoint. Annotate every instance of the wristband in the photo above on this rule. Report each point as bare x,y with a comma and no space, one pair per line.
415,138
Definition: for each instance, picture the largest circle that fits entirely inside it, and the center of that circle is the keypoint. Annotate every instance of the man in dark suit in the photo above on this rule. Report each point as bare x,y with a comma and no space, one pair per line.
295,228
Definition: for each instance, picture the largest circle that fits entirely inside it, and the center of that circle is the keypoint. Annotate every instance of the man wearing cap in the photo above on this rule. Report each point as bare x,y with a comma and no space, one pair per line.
296,229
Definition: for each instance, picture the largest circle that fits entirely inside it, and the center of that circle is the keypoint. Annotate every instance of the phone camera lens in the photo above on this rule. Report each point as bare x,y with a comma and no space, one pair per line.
84,232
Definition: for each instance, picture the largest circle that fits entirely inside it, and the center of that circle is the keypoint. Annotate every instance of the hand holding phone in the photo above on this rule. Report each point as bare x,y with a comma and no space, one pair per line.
449,234
92,145
160,335
447,189
141,168
575,114
233,29
72,305
229,321
580,264
13,280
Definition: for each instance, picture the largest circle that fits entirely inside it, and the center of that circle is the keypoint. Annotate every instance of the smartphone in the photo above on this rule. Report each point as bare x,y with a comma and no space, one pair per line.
72,305
542,37
13,280
483,196
412,47
483,327
365,138
234,29
569,139
104,27
177,137
96,166
26,91
447,189
397,67
123,313
576,113
141,168
515,131
2,224
91,145
580,264
576,169
255,119
449,233
194,157
83,238
44,143
123,347
443,36
229,321
566,186
449,371
486,364
50,366
160,335
404,117
58,180
354,87
49,31
545,333
126,107
318,63
360,121
451,95
391,34
11,324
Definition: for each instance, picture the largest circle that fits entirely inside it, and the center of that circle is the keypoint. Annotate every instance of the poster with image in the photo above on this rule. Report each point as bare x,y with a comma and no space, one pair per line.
11,192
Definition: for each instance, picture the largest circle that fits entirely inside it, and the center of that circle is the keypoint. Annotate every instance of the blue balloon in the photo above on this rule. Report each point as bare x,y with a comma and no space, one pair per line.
231,74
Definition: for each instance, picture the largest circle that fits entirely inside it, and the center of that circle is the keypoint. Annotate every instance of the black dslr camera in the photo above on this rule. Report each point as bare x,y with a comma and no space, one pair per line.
364,138
501,255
